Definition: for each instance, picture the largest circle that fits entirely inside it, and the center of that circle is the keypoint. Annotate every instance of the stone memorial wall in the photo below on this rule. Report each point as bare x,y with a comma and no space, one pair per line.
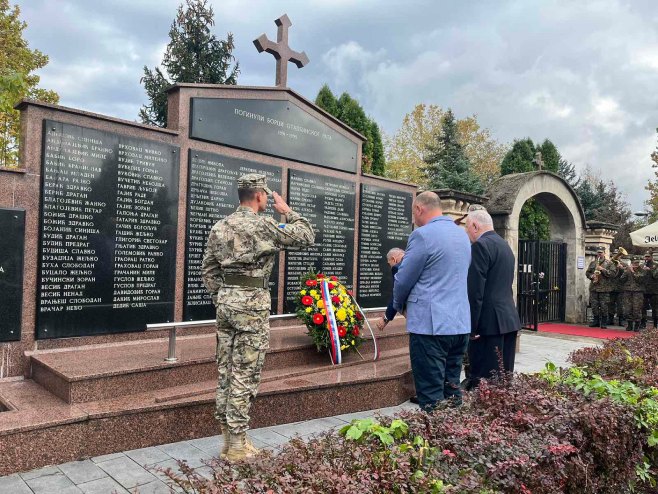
117,214
12,241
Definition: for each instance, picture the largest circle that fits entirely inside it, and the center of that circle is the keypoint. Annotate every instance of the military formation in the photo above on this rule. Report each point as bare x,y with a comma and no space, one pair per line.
626,289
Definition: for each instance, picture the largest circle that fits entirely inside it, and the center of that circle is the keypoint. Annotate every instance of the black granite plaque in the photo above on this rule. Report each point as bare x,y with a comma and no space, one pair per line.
329,204
109,219
278,128
385,223
213,195
12,243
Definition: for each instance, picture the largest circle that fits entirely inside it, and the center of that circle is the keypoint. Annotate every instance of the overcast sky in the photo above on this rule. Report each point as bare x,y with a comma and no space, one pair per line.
581,73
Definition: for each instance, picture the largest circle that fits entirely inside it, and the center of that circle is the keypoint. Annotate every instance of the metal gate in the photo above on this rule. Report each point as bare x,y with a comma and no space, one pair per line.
541,285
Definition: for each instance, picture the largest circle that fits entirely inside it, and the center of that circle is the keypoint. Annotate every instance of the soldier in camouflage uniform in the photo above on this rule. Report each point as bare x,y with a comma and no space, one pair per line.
633,277
236,269
650,290
650,269
615,303
601,272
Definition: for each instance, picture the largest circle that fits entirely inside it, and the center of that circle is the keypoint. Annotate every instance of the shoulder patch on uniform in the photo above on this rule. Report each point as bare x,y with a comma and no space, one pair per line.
282,225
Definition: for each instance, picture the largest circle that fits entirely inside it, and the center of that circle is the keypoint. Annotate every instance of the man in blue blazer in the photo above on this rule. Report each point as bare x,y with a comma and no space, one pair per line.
430,286
494,318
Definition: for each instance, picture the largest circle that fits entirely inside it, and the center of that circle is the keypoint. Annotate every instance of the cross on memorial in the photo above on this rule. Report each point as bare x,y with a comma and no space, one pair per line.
281,50
538,161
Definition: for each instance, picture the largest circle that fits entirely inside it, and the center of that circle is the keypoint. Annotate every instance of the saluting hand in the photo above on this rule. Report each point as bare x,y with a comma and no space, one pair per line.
280,205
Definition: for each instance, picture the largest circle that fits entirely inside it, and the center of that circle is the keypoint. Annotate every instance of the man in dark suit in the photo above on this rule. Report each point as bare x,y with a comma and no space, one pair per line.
494,319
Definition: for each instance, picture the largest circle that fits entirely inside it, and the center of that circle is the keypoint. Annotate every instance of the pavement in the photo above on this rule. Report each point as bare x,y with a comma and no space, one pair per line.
132,471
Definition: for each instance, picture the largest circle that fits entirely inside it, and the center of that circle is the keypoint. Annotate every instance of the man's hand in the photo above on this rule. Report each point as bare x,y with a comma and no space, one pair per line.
280,205
381,324
474,337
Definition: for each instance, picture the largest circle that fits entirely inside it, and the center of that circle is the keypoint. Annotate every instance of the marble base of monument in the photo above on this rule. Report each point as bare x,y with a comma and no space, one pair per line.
84,402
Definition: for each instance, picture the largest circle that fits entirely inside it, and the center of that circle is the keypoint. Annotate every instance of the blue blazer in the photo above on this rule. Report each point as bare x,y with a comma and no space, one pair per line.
431,282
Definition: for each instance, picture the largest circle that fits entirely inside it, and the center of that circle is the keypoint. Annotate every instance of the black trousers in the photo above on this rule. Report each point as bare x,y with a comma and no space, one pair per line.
483,354
436,363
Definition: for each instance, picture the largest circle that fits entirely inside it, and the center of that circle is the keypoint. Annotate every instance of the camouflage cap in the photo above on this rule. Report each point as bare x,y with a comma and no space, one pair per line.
254,181
600,248
636,259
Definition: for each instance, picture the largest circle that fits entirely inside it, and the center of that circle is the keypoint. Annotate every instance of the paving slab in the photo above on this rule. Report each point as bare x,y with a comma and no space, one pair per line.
105,485
147,456
52,484
82,471
14,484
185,451
125,471
40,472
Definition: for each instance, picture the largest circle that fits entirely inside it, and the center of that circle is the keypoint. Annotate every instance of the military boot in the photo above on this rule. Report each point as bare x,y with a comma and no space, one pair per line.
603,325
630,326
643,324
636,328
595,323
223,430
240,447
655,323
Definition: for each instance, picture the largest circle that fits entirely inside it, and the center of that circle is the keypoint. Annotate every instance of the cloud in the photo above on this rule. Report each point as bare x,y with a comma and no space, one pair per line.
582,74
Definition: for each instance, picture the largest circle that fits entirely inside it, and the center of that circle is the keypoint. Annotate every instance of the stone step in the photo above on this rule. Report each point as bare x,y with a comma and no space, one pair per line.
41,429
98,372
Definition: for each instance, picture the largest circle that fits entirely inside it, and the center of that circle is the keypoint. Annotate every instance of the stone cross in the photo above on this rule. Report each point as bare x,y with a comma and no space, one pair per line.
538,161
281,50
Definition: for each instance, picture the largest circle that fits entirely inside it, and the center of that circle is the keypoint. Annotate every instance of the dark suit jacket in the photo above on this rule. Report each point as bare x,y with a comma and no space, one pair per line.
390,310
490,278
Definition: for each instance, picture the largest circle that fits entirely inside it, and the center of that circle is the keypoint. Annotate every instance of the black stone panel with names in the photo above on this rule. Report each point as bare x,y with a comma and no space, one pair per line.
109,220
12,244
329,204
277,128
213,195
385,223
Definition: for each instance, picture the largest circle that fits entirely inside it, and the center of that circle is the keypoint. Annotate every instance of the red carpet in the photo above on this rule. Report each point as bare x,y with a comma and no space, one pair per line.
575,330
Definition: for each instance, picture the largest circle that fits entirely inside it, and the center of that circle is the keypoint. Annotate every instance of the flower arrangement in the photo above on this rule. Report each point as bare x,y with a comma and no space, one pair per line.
310,308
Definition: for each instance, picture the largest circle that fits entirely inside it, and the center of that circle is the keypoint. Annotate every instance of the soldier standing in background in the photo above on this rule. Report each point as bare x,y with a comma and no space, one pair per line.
601,272
614,305
633,278
650,290
236,269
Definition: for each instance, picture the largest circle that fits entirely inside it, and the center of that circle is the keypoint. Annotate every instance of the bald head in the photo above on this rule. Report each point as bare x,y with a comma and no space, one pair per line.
426,206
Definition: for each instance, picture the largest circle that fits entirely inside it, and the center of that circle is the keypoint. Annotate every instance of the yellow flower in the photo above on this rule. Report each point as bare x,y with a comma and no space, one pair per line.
352,320
309,309
313,293
303,292
341,315
323,312
316,297
350,312
353,343
321,304
344,347
333,292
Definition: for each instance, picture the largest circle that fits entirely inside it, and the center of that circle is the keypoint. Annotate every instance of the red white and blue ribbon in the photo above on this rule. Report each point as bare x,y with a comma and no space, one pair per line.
335,353
372,333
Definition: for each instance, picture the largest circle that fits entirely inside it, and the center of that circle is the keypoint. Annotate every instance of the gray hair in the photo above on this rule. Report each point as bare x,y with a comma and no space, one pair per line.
481,217
429,200
394,252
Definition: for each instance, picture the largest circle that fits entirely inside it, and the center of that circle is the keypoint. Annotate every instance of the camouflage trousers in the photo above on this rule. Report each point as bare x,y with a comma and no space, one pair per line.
599,302
632,304
650,302
243,338
615,305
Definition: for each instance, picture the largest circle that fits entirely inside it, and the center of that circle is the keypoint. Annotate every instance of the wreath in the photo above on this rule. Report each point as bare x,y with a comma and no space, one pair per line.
338,329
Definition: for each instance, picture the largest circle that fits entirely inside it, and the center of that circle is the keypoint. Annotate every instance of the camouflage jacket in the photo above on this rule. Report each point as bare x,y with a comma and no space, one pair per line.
651,285
607,277
633,282
245,243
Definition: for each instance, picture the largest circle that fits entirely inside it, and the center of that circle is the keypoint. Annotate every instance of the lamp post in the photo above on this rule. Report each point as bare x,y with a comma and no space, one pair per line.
643,214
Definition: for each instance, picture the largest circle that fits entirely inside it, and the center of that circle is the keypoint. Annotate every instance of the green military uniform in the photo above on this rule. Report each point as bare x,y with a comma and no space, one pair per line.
237,264
650,291
615,302
633,278
599,289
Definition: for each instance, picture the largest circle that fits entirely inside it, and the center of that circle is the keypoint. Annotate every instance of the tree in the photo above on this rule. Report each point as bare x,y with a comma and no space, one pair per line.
568,172
447,166
534,223
349,111
17,80
652,187
550,156
193,55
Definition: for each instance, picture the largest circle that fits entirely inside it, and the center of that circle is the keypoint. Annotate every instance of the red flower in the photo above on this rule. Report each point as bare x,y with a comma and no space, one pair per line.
359,316
335,300
320,276
318,318
447,452
307,300
342,331
355,331
333,278
331,286
311,283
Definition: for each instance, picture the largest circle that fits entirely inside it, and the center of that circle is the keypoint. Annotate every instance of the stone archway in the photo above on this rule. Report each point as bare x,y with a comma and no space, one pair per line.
506,198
